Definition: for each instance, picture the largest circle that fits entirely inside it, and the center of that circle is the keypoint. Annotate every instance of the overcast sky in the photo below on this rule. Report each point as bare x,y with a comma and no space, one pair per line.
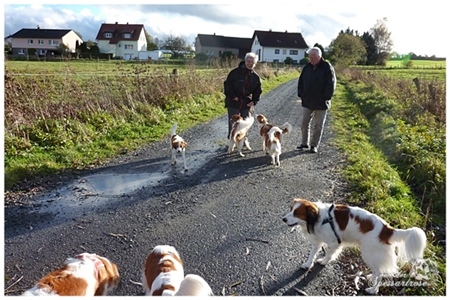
417,27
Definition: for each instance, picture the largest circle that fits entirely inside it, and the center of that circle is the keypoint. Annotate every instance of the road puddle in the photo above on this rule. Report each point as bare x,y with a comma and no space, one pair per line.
88,192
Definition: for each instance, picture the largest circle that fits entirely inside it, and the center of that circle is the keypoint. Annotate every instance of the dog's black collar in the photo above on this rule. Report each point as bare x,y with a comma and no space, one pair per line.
330,220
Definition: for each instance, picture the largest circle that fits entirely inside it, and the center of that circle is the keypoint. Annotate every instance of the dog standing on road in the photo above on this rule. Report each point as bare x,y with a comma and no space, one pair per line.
336,226
272,142
271,137
238,135
264,127
178,145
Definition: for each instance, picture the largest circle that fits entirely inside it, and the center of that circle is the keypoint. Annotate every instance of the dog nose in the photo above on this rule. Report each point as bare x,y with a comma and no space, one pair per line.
284,220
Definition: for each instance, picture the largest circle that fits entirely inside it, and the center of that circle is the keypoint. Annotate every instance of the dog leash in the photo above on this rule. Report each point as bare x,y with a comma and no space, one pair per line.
330,220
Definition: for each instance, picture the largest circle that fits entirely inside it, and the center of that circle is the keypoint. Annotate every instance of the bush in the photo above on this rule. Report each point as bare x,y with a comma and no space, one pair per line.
304,61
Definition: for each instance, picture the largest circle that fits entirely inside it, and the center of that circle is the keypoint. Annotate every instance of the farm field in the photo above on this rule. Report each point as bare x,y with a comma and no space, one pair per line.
424,64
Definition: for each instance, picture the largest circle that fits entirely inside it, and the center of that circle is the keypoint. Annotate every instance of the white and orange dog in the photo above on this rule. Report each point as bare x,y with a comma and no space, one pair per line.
83,275
238,135
335,226
264,127
163,275
178,145
271,137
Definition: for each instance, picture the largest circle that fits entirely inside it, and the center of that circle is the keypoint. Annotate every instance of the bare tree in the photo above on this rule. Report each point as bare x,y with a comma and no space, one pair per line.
176,44
383,41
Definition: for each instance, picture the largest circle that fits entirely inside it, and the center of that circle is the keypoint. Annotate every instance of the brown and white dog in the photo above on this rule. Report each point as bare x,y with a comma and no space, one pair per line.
178,145
83,275
336,226
239,130
272,143
163,275
264,127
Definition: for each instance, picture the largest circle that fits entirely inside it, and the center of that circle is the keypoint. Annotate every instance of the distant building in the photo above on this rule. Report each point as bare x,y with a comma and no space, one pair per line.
215,45
45,41
272,46
122,40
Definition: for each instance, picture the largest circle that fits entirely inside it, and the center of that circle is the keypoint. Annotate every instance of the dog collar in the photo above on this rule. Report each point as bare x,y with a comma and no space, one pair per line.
330,220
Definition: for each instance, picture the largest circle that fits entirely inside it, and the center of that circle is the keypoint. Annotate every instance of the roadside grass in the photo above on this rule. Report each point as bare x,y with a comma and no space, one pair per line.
377,186
78,122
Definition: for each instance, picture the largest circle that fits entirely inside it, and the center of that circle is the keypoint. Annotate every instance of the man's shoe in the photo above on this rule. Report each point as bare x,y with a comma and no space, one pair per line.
301,147
313,149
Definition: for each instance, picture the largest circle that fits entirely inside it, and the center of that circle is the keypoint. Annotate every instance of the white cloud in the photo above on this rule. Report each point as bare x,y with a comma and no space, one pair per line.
415,27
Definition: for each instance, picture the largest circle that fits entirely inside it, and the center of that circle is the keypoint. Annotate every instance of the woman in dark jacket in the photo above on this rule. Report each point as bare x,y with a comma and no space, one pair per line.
316,86
242,88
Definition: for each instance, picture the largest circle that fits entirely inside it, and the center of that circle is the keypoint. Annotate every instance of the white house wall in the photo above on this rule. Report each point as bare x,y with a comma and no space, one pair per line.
267,54
118,50
70,40
270,56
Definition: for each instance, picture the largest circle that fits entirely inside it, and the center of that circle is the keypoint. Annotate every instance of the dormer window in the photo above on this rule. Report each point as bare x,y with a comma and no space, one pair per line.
127,35
108,35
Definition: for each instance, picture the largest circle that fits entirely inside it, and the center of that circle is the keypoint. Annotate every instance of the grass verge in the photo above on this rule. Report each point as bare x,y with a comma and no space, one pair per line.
378,187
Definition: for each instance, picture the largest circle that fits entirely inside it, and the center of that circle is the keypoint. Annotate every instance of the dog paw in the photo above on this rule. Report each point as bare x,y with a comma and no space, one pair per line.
322,261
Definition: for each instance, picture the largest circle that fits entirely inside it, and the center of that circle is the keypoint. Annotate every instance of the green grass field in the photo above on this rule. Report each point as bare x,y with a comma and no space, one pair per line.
423,64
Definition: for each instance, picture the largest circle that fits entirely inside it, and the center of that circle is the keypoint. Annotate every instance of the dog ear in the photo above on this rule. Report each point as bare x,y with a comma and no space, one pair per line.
312,215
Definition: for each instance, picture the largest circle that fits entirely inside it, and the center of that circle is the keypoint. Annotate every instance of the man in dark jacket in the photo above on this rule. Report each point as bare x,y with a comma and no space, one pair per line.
316,86
242,88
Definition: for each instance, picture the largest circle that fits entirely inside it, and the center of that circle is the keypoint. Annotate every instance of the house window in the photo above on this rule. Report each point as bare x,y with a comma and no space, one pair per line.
127,35
284,51
53,42
129,47
42,52
276,60
277,51
108,35
41,42
30,42
293,52
21,51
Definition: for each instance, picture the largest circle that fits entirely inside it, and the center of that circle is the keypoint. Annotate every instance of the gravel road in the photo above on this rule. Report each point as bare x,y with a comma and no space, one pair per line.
223,215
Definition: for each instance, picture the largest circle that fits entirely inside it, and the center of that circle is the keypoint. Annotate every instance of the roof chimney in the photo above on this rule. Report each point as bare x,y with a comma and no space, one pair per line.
38,27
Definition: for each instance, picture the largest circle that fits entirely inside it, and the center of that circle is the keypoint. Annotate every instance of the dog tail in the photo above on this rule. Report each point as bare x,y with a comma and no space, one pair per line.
411,243
194,285
275,132
173,130
286,127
